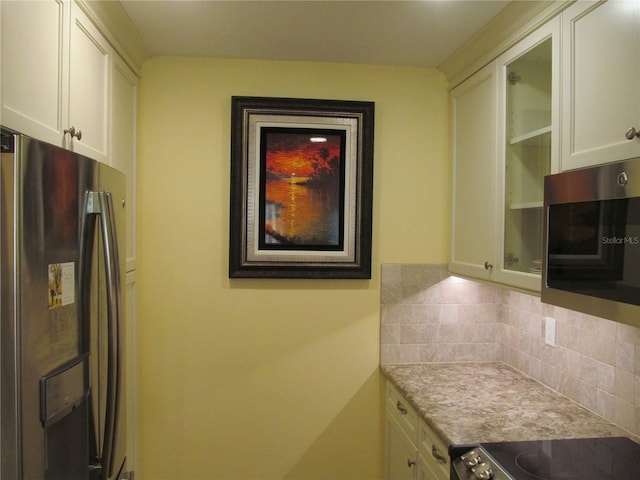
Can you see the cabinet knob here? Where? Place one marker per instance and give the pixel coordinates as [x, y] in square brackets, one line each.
[401, 408]
[410, 463]
[73, 132]
[488, 266]
[632, 133]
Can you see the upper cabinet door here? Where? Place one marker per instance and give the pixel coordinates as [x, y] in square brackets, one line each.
[34, 78]
[474, 116]
[601, 82]
[124, 97]
[528, 83]
[55, 75]
[89, 80]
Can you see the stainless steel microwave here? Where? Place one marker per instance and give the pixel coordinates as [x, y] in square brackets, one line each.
[592, 241]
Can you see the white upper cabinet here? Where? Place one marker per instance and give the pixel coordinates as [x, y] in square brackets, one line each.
[55, 75]
[34, 79]
[528, 82]
[122, 145]
[505, 140]
[90, 59]
[60, 73]
[600, 82]
[474, 128]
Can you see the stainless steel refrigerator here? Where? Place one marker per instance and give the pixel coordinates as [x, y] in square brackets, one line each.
[62, 221]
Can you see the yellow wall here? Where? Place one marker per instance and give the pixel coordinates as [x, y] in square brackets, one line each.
[269, 379]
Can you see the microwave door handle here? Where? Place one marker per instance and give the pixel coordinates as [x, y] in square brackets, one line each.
[101, 203]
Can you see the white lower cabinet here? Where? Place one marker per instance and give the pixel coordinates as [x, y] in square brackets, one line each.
[401, 437]
[413, 451]
[433, 454]
[401, 453]
[425, 472]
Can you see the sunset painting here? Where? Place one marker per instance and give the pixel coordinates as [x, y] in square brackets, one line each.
[302, 188]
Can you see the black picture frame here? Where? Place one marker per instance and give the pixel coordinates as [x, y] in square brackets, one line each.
[301, 188]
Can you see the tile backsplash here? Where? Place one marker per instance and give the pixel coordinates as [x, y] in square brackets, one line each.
[429, 316]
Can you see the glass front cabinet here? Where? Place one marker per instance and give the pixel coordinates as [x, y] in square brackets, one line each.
[505, 140]
[529, 86]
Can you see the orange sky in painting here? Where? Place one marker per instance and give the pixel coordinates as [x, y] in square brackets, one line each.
[291, 153]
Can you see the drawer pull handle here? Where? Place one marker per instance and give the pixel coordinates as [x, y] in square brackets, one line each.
[437, 455]
[401, 408]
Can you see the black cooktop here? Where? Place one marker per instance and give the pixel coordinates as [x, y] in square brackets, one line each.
[615, 458]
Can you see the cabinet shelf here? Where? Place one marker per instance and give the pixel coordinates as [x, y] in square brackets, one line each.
[530, 137]
[525, 205]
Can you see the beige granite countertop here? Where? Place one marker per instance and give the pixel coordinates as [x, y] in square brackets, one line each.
[490, 402]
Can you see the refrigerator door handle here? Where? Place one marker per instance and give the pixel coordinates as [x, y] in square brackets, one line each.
[101, 203]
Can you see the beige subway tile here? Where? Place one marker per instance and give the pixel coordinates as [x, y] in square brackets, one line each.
[599, 347]
[628, 334]
[625, 356]
[390, 334]
[431, 295]
[409, 354]
[400, 314]
[606, 377]
[625, 386]
[589, 396]
[573, 364]
[450, 293]
[605, 404]
[412, 294]
[413, 274]
[589, 372]
[569, 336]
[409, 334]
[552, 355]
[390, 274]
[430, 313]
[550, 375]
[390, 354]
[391, 294]
[449, 314]
[625, 414]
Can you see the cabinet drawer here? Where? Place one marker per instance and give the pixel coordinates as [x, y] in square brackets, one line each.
[425, 471]
[433, 450]
[403, 413]
[401, 453]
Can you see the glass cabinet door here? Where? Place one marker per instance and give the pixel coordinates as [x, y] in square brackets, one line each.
[528, 124]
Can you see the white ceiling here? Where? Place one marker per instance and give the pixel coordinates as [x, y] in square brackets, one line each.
[398, 32]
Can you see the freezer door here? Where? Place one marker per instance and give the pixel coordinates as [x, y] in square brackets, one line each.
[107, 331]
[42, 327]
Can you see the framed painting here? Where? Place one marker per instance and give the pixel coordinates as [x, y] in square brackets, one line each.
[301, 188]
